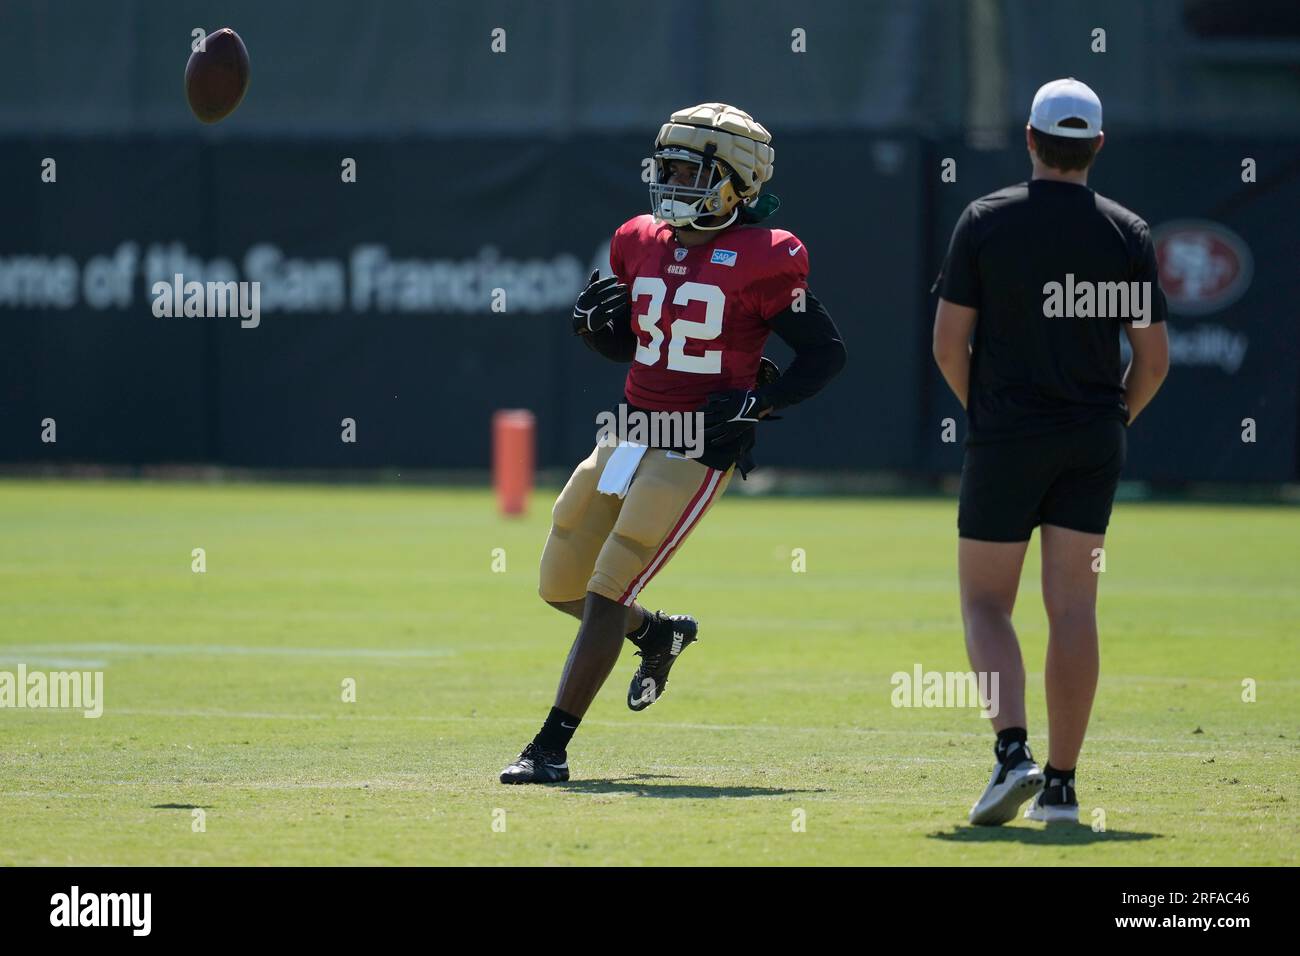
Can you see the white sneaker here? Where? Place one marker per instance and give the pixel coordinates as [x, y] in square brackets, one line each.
[1063, 808]
[1008, 788]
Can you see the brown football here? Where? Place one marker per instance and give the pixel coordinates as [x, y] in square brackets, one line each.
[216, 77]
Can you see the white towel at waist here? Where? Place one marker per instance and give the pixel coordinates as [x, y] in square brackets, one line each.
[620, 468]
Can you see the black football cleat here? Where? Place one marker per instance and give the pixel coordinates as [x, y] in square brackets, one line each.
[536, 765]
[669, 635]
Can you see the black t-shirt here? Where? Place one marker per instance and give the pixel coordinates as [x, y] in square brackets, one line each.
[1037, 366]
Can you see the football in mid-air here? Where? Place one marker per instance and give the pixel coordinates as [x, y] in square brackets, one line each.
[216, 77]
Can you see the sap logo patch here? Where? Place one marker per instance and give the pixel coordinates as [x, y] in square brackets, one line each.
[723, 257]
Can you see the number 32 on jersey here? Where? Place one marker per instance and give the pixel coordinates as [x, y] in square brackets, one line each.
[709, 363]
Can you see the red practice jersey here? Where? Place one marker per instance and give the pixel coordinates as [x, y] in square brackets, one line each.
[701, 314]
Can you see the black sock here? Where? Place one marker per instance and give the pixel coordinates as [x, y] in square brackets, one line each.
[557, 731]
[1051, 773]
[1012, 735]
[637, 633]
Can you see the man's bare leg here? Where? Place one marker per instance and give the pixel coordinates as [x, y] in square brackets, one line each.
[636, 614]
[591, 659]
[989, 573]
[1070, 598]
[593, 655]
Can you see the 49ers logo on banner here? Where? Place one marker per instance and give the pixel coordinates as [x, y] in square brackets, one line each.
[1204, 266]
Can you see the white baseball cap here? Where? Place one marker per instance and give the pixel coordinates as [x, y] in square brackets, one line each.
[1066, 99]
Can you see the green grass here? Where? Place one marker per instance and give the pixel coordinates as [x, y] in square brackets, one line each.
[223, 689]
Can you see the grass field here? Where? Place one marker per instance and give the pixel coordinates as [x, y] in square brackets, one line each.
[223, 689]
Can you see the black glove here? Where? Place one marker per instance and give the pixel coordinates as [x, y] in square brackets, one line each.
[729, 415]
[603, 302]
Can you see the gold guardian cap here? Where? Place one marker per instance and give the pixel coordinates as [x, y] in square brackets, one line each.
[735, 159]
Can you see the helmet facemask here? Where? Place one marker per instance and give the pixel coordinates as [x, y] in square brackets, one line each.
[710, 202]
[733, 156]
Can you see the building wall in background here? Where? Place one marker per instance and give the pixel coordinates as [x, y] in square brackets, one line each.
[377, 298]
[480, 170]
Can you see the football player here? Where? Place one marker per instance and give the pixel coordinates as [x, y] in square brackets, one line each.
[698, 286]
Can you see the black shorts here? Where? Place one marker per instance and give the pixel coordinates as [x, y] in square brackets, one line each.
[1066, 479]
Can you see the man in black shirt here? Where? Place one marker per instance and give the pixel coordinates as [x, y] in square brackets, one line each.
[1045, 274]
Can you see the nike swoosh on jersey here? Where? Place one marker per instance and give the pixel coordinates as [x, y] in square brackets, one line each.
[795, 249]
